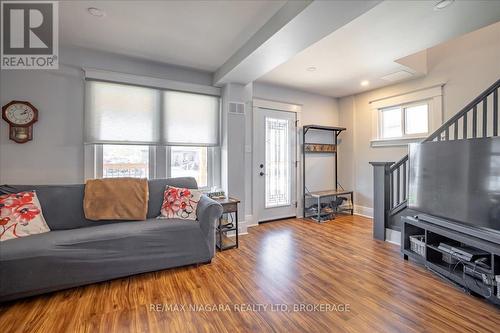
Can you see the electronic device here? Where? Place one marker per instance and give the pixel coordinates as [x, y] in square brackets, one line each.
[458, 181]
[216, 195]
[487, 279]
[465, 253]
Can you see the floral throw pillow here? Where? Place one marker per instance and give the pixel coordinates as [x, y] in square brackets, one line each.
[179, 203]
[20, 216]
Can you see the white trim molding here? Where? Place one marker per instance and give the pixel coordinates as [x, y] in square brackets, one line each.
[393, 236]
[395, 142]
[148, 81]
[408, 97]
[432, 95]
[275, 105]
[244, 225]
[363, 211]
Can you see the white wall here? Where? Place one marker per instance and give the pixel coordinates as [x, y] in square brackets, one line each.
[467, 65]
[233, 146]
[56, 153]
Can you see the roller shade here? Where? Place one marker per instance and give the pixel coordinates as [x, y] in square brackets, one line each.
[117, 113]
[191, 119]
[125, 114]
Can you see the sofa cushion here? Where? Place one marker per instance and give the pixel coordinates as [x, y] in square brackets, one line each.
[98, 253]
[99, 237]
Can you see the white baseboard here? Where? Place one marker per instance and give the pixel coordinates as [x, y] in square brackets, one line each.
[363, 211]
[393, 236]
[244, 225]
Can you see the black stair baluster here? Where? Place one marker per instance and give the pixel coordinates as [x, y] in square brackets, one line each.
[485, 118]
[447, 134]
[455, 130]
[495, 112]
[474, 122]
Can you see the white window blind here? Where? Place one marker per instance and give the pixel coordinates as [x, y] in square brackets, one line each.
[117, 113]
[126, 114]
[191, 119]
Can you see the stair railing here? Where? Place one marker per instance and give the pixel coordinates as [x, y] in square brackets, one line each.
[478, 119]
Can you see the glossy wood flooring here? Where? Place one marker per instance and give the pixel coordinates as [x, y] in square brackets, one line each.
[278, 264]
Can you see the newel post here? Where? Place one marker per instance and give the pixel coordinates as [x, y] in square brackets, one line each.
[381, 197]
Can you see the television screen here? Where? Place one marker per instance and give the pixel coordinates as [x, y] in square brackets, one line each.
[457, 180]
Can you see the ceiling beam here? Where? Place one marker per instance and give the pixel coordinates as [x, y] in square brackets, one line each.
[296, 26]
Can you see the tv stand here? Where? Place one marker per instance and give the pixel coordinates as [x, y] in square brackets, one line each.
[479, 276]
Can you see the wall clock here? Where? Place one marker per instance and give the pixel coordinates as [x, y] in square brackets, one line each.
[20, 116]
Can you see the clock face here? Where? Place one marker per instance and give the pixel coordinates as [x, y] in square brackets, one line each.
[20, 114]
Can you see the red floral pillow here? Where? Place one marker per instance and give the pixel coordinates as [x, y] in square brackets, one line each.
[179, 203]
[20, 216]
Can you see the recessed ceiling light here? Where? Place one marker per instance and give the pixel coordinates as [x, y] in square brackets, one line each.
[364, 83]
[96, 12]
[311, 69]
[443, 4]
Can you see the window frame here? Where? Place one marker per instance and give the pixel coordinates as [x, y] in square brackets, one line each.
[402, 109]
[433, 94]
[159, 163]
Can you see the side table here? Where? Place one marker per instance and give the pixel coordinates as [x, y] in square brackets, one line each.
[227, 224]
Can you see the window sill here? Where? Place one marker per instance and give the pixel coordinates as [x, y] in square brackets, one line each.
[397, 142]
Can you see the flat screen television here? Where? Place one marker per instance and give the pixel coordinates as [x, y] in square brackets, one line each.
[458, 181]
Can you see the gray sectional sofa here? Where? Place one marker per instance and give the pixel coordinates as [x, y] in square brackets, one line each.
[78, 251]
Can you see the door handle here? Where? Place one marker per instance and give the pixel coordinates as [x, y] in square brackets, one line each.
[261, 173]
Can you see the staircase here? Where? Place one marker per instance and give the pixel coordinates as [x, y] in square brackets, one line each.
[478, 119]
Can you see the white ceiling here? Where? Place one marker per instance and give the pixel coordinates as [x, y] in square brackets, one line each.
[197, 34]
[367, 47]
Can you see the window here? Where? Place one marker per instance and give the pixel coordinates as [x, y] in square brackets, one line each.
[278, 185]
[405, 118]
[151, 133]
[391, 123]
[190, 162]
[404, 121]
[125, 161]
[417, 119]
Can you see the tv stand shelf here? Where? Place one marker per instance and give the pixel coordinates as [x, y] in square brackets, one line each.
[480, 278]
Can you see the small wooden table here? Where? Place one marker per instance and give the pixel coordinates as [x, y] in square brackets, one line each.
[229, 206]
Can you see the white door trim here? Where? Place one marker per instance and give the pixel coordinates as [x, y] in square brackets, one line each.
[259, 104]
[275, 105]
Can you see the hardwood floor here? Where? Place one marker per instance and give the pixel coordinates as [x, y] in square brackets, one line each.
[281, 264]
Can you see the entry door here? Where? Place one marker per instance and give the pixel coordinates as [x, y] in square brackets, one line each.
[274, 164]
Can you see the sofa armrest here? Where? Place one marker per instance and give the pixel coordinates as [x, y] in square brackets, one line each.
[208, 212]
